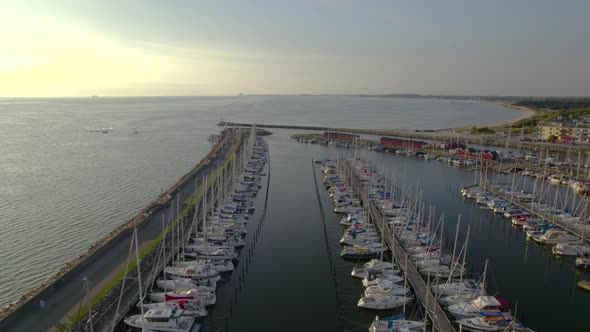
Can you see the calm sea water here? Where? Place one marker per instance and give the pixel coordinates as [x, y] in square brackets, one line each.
[64, 187]
[284, 277]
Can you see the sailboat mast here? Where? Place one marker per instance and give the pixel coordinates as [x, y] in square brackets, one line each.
[138, 269]
[483, 286]
[465, 253]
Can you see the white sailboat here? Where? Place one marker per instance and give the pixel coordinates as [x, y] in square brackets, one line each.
[481, 305]
[167, 320]
[395, 324]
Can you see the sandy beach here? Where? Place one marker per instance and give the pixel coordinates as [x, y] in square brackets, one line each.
[525, 113]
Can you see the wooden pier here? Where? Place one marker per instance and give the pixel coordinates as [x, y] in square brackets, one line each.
[435, 313]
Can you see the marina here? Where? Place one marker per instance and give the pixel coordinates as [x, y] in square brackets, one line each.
[264, 247]
[294, 166]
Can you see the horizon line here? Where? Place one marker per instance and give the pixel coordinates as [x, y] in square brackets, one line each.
[399, 95]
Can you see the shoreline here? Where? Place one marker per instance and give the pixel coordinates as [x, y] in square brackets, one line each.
[525, 113]
[138, 218]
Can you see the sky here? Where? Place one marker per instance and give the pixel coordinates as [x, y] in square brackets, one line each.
[193, 47]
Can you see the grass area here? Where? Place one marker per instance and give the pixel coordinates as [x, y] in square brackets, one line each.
[308, 136]
[482, 130]
[530, 124]
[574, 113]
[132, 265]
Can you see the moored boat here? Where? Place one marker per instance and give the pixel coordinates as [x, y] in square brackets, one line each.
[168, 320]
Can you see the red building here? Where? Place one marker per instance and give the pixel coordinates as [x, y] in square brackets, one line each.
[334, 136]
[567, 139]
[477, 154]
[406, 143]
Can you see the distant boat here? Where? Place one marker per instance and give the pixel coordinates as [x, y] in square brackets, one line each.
[94, 96]
[135, 130]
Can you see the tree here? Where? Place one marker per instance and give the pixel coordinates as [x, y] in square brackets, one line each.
[552, 138]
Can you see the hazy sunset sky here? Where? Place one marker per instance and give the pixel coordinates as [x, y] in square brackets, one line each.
[122, 48]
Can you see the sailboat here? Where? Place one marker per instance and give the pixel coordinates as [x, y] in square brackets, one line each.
[481, 305]
[189, 308]
[382, 298]
[394, 324]
[169, 320]
[373, 264]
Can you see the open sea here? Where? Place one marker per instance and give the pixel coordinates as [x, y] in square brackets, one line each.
[64, 185]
